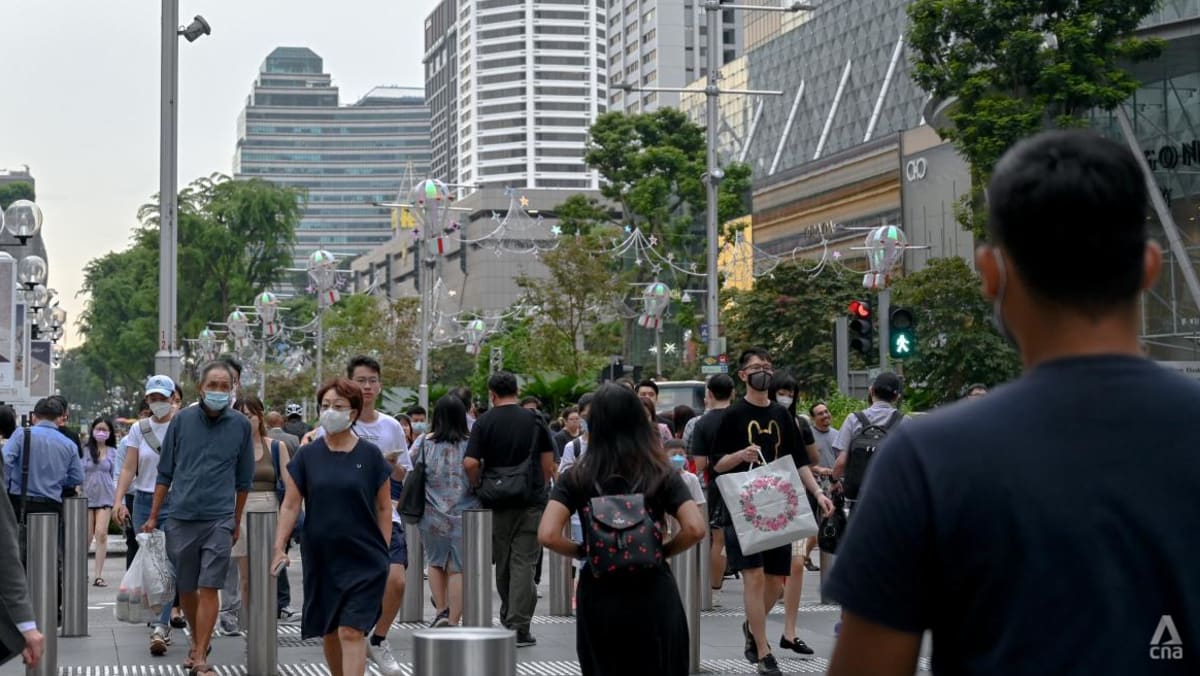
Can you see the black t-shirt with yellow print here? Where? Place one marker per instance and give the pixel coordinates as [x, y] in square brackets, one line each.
[770, 427]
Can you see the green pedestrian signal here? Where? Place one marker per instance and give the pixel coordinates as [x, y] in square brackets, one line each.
[902, 335]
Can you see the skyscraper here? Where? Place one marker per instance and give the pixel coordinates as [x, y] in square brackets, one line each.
[294, 132]
[662, 43]
[530, 81]
[441, 88]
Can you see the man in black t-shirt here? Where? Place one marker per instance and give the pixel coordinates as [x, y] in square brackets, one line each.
[752, 428]
[504, 437]
[699, 435]
[1068, 567]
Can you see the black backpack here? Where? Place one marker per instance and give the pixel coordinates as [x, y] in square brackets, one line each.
[862, 449]
[622, 538]
[833, 526]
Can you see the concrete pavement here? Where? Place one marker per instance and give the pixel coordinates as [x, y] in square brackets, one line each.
[118, 649]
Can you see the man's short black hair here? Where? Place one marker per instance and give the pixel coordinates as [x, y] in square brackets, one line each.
[48, 409]
[721, 386]
[584, 402]
[363, 360]
[415, 410]
[62, 401]
[648, 383]
[503, 384]
[751, 353]
[464, 395]
[8, 421]
[1072, 192]
[532, 400]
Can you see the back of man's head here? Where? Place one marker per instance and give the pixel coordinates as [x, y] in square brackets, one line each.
[48, 409]
[1068, 208]
[274, 419]
[503, 384]
[721, 387]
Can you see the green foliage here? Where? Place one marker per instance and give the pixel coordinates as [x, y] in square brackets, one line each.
[957, 344]
[1011, 81]
[577, 295]
[235, 239]
[791, 313]
[395, 400]
[840, 406]
[556, 391]
[79, 385]
[11, 192]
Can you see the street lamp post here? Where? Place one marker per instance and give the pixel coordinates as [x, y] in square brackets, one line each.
[169, 359]
[713, 172]
[322, 269]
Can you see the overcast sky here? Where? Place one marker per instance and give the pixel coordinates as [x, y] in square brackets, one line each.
[80, 85]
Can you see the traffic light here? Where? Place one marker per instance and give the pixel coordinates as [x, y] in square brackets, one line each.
[902, 334]
[861, 339]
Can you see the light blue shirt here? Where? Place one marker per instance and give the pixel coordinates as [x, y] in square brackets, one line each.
[53, 464]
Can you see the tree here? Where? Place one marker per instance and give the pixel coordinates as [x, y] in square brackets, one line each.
[79, 385]
[235, 240]
[653, 166]
[1019, 66]
[576, 296]
[957, 344]
[17, 190]
[790, 313]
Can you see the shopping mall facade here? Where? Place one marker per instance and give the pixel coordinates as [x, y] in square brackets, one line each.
[847, 146]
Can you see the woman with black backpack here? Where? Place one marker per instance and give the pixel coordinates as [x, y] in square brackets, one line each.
[622, 480]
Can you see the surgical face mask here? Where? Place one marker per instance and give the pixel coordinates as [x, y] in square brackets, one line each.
[160, 409]
[998, 301]
[785, 402]
[583, 428]
[335, 421]
[420, 427]
[759, 380]
[100, 435]
[216, 401]
[678, 462]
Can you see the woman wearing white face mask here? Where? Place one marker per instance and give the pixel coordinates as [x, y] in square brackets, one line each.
[343, 482]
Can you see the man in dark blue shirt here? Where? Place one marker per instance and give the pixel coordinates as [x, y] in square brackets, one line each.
[1069, 548]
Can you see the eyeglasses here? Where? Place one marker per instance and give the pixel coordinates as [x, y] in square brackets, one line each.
[366, 381]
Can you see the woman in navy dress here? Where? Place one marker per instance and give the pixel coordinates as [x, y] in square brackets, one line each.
[343, 482]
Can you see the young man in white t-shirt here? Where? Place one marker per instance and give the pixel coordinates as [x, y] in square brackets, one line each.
[385, 432]
[139, 471]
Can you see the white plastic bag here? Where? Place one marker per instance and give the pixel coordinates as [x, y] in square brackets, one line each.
[131, 606]
[157, 576]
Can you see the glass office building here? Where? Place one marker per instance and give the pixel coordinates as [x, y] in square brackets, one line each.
[294, 132]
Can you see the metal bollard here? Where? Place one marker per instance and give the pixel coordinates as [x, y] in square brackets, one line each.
[477, 569]
[686, 567]
[75, 561]
[706, 591]
[413, 607]
[42, 571]
[561, 586]
[464, 650]
[826, 562]
[261, 608]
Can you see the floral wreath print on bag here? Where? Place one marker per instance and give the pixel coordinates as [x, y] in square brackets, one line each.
[755, 489]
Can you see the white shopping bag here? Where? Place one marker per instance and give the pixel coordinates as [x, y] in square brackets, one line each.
[767, 505]
[158, 577]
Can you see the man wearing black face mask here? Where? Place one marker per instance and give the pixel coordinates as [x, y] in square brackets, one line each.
[754, 429]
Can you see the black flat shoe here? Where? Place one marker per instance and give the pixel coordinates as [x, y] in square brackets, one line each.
[750, 649]
[795, 645]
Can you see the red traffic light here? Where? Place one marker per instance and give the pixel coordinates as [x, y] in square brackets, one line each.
[860, 308]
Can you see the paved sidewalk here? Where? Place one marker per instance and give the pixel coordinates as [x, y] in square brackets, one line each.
[117, 649]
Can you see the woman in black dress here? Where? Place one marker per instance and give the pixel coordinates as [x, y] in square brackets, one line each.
[613, 636]
[344, 482]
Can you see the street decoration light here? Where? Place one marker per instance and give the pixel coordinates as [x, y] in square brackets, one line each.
[266, 304]
[23, 220]
[31, 271]
[322, 270]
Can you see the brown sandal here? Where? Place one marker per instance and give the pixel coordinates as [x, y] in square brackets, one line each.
[99, 582]
[198, 669]
[190, 665]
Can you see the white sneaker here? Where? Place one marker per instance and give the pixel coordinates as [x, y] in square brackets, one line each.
[716, 599]
[382, 656]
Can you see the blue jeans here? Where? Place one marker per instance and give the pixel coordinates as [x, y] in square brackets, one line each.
[142, 502]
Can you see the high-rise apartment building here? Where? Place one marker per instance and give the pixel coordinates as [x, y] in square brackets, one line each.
[294, 132]
[441, 88]
[662, 43]
[530, 80]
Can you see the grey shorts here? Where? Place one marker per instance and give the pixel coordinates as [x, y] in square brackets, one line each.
[199, 551]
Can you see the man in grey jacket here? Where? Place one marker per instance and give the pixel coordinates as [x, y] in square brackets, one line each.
[19, 634]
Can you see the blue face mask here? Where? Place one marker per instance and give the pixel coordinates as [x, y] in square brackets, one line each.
[420, 427]
[216, 401]
[678, 461]
[583, 426]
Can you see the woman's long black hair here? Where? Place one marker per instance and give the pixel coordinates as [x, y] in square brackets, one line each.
[622, 442]
[111, 441]
[449, 420]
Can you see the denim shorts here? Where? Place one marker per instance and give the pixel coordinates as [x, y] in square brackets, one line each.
[398, 548]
